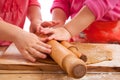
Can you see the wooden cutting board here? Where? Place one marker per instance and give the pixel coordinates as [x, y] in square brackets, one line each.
[13, 60]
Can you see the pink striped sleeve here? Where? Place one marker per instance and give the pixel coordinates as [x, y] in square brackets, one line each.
[100, 7]
[62, 4]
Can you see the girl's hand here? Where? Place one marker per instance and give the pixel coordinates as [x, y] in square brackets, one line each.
[31, 46]
[35, 26]
[49, 24]
[56, 33]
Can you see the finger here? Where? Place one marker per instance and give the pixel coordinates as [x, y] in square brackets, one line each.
[51, 37]
[36, 53]
[55, 37]
[44, 29]
[44, 49]
[44, 44]
[49, 23]
[38, 29]
[54, 23]
[47, 30]
[28, 56]
[43, 39]
[46, 24]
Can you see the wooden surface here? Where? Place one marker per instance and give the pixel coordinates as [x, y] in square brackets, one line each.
[2, 49]
[12, 59]
[14, 67]
[31, 75]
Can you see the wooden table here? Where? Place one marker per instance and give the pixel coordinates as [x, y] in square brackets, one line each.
[94, 73]
[31, 75]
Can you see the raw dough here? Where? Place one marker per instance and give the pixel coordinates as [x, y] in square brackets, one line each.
[95, 52]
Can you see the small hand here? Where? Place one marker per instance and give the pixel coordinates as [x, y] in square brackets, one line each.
[49, 24]
[56, 33]
[35, 26]
[31, 46]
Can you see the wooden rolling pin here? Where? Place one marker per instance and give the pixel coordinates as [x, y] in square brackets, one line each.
[70, 47]
[67, 60]
[74, 50]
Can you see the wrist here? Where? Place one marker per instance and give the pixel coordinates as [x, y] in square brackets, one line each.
[19, 32]
[9, 31]
[35, 25]
[36, 21]
[68, 32]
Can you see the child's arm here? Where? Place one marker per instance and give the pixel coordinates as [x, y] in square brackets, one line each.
[58, 15]
[27, 43]
[35, 18]
[58, 19]
[8, 31]
[80, 22]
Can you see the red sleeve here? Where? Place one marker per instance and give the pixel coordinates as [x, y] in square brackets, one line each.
[34, 2]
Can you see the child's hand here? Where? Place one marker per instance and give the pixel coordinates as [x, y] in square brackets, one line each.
[35, 27]
[31, 46]
[49, 24]
[56, 33]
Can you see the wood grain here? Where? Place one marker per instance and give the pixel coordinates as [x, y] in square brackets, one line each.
[31, 75]
[13, 60]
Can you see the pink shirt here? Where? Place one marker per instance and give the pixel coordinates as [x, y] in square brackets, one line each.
[15, 12]
[104, 10]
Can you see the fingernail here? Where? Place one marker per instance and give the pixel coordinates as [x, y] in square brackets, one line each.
[33, 60]
[44, 56]
[49, 46]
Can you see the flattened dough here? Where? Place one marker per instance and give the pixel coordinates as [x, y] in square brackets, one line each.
[95, 52]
